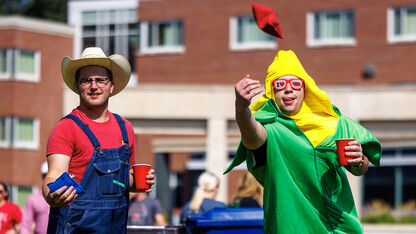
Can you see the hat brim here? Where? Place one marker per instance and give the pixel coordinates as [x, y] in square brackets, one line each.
[117, 64]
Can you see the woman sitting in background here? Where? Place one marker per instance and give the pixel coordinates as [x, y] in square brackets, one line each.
[249, 193]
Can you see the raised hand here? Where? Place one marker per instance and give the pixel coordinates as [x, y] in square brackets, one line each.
[245, 90]
[253, 134]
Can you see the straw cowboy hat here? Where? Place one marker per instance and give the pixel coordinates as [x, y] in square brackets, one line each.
[94, 56]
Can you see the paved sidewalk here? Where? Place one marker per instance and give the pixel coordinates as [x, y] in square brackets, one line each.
[389, 229]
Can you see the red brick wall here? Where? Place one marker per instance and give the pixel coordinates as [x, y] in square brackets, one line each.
[208, 60]
[145, 154]
[41, 100]
[178, 162]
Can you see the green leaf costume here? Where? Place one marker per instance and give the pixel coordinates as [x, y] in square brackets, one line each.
[305, 188]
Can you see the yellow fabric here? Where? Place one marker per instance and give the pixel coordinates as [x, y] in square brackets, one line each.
[316, 118]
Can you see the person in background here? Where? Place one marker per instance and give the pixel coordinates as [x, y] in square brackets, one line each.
[144, 210]
[36, 211]
[249, 192]
[10, 213]
[204, 196]
[95, 147]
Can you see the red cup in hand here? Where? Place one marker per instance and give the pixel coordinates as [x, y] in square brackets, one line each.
[140, 171]
[341, 144]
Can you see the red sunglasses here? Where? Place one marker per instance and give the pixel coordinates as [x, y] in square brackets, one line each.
[280, 84]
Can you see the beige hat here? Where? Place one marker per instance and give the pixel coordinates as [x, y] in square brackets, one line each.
[117, 64]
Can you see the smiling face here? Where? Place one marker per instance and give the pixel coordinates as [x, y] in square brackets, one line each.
[93, 94]
[289, 100]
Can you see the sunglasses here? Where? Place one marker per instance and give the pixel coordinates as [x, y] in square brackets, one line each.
[280, 84]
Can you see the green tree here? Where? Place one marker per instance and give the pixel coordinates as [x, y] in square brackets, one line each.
[12, 7]
[55, 10]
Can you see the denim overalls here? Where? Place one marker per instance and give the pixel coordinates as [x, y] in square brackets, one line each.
[103, 206]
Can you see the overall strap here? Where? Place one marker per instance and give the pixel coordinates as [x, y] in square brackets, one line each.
[84, 127]
[122, 125]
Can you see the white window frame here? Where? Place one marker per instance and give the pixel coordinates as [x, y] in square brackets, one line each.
[310, 30]
[391, 37]
[103, 21]
[34, 144]
[8, 73]
[76, 9]
[24, 76]
[144, 41]
[12, 56]
[5, 143]
[237, 46]
[16, 192]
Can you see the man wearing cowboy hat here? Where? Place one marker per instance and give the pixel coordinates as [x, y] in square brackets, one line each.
[95, 147]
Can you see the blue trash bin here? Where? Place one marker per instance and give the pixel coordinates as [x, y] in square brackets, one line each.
[227, 220]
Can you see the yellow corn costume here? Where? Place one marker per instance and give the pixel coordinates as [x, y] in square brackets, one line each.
[305, 188]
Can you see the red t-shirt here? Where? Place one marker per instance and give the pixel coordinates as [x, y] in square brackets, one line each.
[10, 214]
[67, 138]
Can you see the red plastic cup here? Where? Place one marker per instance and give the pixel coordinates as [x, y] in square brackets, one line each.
[342, 158]
[140, 172]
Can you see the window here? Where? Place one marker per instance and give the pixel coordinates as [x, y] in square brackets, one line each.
[115, 31]
[396, 178]
[330, 28]
[5, 132]
[19, 132]
[245, 35]
[19, 194]
[161, 37]
[26, 65]
[5, 64]
[19, 64]
[401, 24]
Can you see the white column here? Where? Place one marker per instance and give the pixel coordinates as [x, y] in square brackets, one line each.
[217, 155]
[357, 191]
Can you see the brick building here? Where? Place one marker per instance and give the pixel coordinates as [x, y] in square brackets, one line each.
[31, 88]
[191, 52]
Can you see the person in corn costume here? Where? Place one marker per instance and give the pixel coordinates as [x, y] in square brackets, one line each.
[288, 143]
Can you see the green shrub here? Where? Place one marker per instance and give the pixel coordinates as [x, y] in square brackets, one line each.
[388, 218]
[382, 218]
[408, 219]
